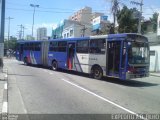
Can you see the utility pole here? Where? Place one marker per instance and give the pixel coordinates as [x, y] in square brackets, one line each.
[9, 18]
[21, 30]
[83, 30]
[34, 8]
[140, 15]
[2, 23]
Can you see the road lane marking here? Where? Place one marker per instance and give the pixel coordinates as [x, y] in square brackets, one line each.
[5, 86]
[102, 98]
[4, 107]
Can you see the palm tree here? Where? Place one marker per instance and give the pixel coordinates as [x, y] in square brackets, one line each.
[114, 9]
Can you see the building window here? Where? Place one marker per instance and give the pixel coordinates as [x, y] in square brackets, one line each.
[64, 35]
[152, 53]
[67, 35]
[71, 32]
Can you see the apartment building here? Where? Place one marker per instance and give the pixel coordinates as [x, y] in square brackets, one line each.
[42, 33]
[84, 15]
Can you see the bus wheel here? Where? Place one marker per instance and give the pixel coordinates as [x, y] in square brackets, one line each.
[97, 72]
[54, 65]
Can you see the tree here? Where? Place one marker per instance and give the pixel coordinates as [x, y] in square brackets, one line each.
[11, 44]
[127, 21]
[144, 28]
[154, 21]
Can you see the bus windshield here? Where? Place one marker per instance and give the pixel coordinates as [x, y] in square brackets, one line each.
[138, 53]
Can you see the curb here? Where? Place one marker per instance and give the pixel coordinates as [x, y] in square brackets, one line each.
[5, 97]
[155, 75]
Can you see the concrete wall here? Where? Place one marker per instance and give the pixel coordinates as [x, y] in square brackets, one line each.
[155, 58]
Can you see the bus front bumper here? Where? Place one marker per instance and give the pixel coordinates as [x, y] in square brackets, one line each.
[133, 75]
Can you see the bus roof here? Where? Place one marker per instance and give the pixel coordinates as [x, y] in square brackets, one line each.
[109, 36]
[25, 41]
[122, 35]
[69, 39]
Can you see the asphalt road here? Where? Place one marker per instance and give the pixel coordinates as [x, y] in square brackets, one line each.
[37, 90]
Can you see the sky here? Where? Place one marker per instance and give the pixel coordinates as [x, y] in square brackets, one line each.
[52, 12]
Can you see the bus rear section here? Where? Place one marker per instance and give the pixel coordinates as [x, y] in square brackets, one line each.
[19, 51]
[30, 52]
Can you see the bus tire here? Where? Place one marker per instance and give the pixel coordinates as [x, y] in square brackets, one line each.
[54, 65]
[97, 72]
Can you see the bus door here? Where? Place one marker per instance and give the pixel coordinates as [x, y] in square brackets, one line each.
[123, 62]
[113, 58]
[21, 47]
[71, 47]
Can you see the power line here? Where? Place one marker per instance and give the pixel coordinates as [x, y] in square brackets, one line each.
[20, 32]
[63, 9]
[42, 11]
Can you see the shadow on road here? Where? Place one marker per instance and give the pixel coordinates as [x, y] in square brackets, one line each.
[129, 83]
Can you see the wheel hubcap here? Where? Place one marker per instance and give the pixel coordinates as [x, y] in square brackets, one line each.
[96, 73]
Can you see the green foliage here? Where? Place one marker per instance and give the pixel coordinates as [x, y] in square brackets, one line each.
[144, 28]
[154, 21]
[127, 21]
[11, 44]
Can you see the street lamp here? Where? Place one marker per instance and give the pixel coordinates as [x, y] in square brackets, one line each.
[34, 7]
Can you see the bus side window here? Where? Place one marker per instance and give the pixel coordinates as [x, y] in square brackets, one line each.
[97, 46]
[37, 46]
[30, 46]
[25, 46]
[51, 46]
[33, 46]
[82, 46]
[62, 45]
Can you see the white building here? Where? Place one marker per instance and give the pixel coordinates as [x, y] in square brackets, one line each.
[158, 25]
[155, 50]
[42, 33]
[77, 30]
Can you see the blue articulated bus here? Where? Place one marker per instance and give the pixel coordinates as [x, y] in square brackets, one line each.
[123, 56]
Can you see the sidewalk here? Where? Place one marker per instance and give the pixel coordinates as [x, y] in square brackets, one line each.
[157, 74]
